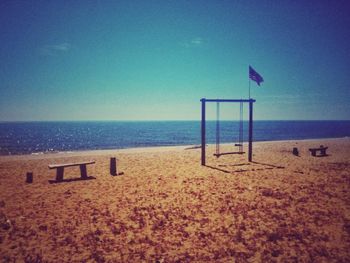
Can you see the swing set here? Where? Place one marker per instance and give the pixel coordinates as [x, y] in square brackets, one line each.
[239, 144]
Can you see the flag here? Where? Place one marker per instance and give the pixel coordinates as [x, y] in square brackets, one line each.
[253, 75]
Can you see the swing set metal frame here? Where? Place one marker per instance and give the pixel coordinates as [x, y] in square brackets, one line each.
[250, 129]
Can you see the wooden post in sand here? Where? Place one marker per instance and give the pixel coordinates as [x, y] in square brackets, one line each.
[113, 166]
[29, 178]
[295, 151]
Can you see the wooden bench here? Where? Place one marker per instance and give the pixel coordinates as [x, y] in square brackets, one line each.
[60, 169]
[322, 151]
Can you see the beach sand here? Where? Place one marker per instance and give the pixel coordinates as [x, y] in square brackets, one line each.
[166, 207]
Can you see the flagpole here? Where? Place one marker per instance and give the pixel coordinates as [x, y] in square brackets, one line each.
[249, 87]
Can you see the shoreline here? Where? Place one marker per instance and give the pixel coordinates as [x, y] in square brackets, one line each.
[150, 149]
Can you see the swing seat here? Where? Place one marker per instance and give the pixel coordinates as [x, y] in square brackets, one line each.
[238, 144]
[227, 153]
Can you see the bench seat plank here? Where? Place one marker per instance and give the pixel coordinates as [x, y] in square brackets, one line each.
[318, 149]
[55, 166]
[322, 151]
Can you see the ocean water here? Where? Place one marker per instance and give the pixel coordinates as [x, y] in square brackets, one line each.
[44, 137]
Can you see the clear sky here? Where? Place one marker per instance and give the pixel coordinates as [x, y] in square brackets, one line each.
[154, 60]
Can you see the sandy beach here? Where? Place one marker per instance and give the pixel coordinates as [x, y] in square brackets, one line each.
[166, 207]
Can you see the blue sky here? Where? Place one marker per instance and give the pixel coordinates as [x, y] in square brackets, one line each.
[154, 60]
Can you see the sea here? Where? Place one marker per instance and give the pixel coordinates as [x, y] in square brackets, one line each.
[53, 137]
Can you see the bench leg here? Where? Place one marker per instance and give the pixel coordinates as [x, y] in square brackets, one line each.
[83, 171]
[59, 174]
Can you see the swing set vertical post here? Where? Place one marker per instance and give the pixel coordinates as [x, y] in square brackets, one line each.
[203, 131]
[250, 139]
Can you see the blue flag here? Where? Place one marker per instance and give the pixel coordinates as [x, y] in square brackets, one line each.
[253, 75]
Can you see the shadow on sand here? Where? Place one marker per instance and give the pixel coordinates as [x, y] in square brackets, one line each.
[218, 169]
[267, 167]
[72, 180]
[270, 165]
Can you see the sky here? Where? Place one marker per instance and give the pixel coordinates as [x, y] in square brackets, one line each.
[155, 60]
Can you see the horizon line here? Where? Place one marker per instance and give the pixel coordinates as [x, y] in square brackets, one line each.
[155, 120]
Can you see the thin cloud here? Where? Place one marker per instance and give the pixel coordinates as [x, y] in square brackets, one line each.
[55, 49]
[61, 47]
[194, 42]
[282, 97]
[197, 41]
